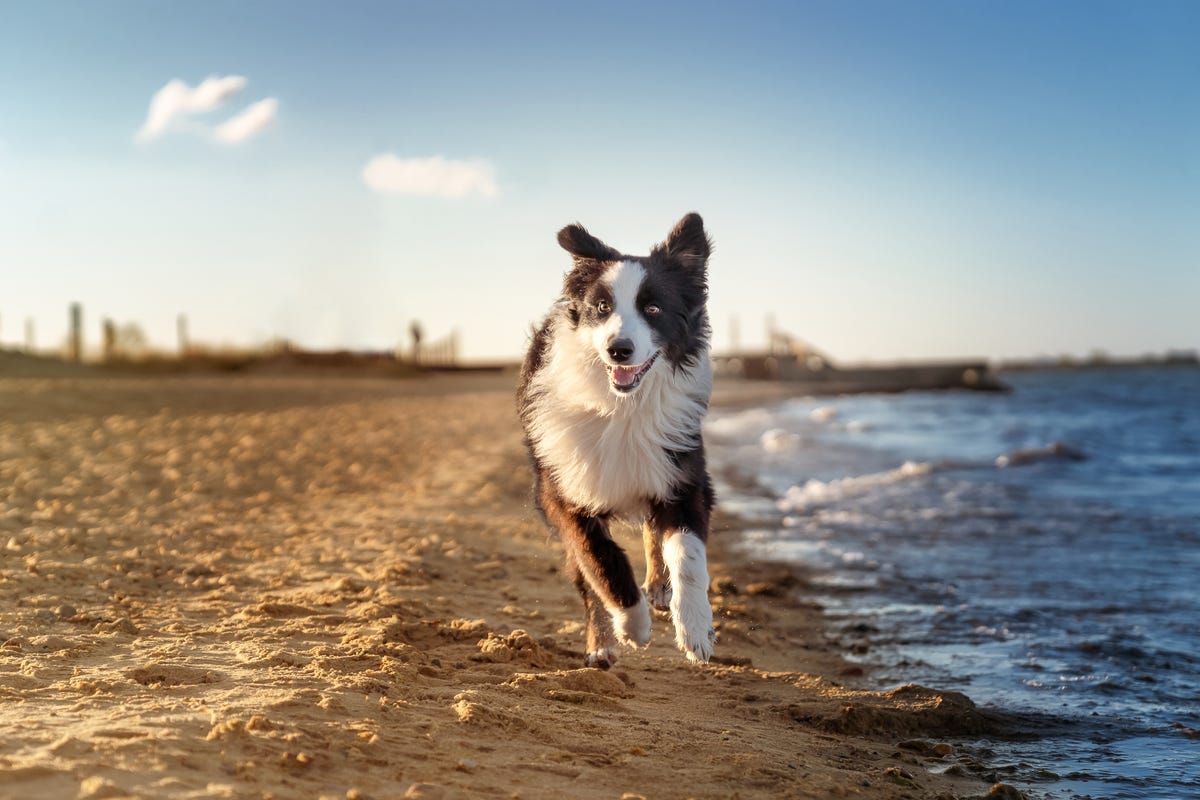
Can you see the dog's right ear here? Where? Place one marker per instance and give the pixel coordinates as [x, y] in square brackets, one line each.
[583, 246]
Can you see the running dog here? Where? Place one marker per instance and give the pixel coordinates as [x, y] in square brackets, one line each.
[611, 395]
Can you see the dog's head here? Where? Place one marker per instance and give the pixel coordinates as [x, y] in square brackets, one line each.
[638, 311]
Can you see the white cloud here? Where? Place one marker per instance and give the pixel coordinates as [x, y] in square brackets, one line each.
[435, 176]
[249, 122]
[177, 99]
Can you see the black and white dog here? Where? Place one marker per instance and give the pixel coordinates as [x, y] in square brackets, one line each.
[612, 392]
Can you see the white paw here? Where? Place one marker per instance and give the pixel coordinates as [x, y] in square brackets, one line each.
[603, 658]
[632, 625]
[690, 610]
[698, 642]
[694, 625]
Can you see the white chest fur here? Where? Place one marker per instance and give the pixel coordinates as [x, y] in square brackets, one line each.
[608, 452]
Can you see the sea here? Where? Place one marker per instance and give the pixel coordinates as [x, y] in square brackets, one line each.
[1037, 550]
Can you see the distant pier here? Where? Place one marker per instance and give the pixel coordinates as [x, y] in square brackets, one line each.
[790, 360]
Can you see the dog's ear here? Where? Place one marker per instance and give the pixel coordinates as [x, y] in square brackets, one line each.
[583, 246]
[687, 244]
[591, 257]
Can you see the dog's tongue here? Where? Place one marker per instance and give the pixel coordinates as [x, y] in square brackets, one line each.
[624, 376]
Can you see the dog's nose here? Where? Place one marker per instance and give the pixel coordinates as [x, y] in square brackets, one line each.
[620, 350]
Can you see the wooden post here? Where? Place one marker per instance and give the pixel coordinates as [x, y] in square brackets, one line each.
[76, 341]
[29, 345]
[110, 339]
[416, 333]
[181, 330]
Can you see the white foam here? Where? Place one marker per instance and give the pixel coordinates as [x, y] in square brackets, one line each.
[823, 414]
[738, 425]
[777, 440]
[817, 493]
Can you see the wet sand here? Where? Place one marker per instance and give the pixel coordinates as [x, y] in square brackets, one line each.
[282, 586]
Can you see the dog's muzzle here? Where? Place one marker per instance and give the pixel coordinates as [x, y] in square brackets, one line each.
[626, 379]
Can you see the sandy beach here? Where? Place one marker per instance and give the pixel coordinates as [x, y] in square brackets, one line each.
[289, 586]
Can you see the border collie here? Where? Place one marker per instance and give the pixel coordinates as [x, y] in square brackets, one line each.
[611, 395]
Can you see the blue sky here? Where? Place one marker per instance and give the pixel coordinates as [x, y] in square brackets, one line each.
[887, 179]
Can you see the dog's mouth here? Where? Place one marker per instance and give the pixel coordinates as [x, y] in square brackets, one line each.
[626, 379]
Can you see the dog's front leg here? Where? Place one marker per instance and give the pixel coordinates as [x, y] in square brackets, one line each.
[604, 567]
[687, 562]
[610, 576]
[683, 527]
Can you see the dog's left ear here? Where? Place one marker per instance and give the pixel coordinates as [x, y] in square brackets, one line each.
[687, 244]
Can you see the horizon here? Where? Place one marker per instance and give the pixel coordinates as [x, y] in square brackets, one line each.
[185, 349]
[885, 181]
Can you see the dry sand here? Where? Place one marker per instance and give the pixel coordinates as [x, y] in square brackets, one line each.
[280, 586]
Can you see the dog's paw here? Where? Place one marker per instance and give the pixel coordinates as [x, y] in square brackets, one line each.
[658, 594]
[700, 648]
[694, 625]
[603, 658]
[632, 625]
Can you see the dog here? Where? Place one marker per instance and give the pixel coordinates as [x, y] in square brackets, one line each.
[611, 396]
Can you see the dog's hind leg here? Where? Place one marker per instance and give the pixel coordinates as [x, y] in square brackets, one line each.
[658, 581]
[601, 642]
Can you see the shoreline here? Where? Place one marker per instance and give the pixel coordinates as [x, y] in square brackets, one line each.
[255, 586]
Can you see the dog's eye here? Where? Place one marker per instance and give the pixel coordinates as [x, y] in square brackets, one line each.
[603, 307]
[653, 309]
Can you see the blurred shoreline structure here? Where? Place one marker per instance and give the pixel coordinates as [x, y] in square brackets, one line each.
[791, 360]
[1101, 360]
[124, 347]
[787, 360]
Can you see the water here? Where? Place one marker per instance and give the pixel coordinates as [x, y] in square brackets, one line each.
[1038, 551]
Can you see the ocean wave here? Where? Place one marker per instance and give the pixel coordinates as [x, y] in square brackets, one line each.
[739, 425]
[818, 493]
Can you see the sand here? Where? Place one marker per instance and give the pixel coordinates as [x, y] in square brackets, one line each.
[288, 586]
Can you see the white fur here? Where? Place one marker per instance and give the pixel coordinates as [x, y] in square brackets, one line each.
[687, 563]
[631, 625]
[607, 451]
[624, 279]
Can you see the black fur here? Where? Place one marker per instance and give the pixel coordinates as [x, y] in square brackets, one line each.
[578, 242]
